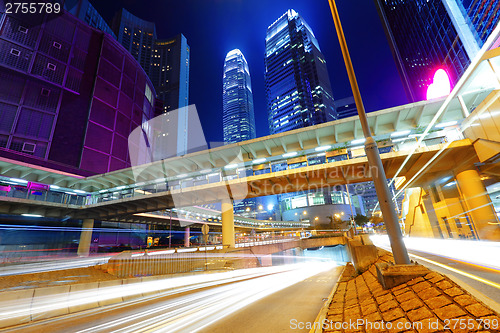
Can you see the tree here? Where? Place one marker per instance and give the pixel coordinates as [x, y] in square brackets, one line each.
[335, 221]
[361, 220]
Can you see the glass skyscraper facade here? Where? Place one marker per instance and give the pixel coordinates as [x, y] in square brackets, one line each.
[237, 99]
[166, 61]
[137, 36]
[84, 10]
[425, 35]
[170, 71]
[297, 83]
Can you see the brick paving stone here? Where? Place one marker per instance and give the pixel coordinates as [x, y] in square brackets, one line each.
[454, 291]
[368, 309]
[406, 296]
[464, 300]
[373, 317]
[443, 285]
[421, 286]
[411, 304]
[449, 312]
[335, 311]
[384, 298]
[351, 313]
[401, 286]
[419, 314]
[471, 323]
[403, 323]
[388, 305]
[367, 297]
[351, 302]
[335, 318]
[428, 293]
[436, 279]
[415, 281]
[393, 314]
[379, 291]
[431, 275]
[437, 302]
[478, 310]
[429, 325]
[400, 291]
[492, 321]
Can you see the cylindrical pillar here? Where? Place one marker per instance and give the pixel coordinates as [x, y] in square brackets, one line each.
[85, 237]
[186, 237]
[478, 203]
[228, 224]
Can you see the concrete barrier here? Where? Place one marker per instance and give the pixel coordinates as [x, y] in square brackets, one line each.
[18, 303]
[83, 296]
[362, 256]
[50, 302]
[130, 293]
[108, 291]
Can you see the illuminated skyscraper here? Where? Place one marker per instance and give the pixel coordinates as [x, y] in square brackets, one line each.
[237, 99]
[425, 35]
[166, 61]
[170, 71]
[297, 83]
[137, 36]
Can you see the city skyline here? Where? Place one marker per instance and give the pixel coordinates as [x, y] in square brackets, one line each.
[248, 24]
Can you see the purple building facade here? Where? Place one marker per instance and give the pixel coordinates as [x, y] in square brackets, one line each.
[69, 94]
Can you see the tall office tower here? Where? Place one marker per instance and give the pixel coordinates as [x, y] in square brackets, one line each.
[484, 16]
[137, 36]
[425, 35]
[70, 94]
[346, 107]
[170, 72]
[237, 99]
[297, 83]
[84, 10]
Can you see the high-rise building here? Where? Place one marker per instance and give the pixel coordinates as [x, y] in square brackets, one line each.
[170, 72]
[137, 36]
[84, 10]
[297, 83]
[425, 35]
[70, 94]
[166, 61]
[346, 107]
[484, 16]
[237, 99]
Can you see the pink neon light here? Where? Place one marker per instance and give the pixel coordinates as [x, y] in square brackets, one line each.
[440, 85]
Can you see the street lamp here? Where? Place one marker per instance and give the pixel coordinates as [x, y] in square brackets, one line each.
[374, 162]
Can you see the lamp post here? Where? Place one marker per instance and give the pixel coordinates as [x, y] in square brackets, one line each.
[374, 162]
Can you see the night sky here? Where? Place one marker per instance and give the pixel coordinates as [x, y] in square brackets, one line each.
[214, 27]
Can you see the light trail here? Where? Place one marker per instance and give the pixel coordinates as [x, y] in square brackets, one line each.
[10, 309]
[381, 242]
[196, 311]
[482, 253]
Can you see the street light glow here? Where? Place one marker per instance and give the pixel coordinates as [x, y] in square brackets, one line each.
[294, 153]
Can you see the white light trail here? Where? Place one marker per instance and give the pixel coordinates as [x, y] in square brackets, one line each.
[481, 253]
[196, 311]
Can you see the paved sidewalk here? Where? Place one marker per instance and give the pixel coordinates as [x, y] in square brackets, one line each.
[432, 303]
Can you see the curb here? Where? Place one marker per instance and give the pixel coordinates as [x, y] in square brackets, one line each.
[318, 322]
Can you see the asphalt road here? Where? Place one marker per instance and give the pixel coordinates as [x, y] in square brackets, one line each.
[263, 301]
[283, 311]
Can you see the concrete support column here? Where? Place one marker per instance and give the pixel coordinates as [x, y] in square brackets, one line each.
[85, 237]
[228, 224]
[186, 236]
[478, 204]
